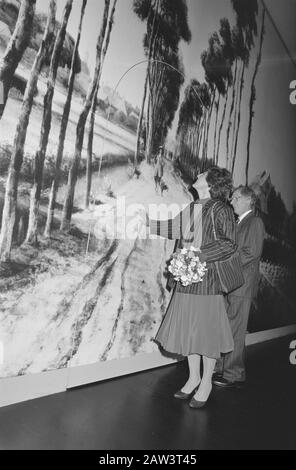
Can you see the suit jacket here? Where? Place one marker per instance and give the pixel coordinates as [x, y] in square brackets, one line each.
[250, 237]
[212, 250]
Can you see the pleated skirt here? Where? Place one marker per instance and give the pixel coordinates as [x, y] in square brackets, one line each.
[195, 324]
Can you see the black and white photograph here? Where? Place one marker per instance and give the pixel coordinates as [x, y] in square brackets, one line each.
[147, 227]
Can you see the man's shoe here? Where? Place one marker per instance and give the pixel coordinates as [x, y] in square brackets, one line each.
[217, 375]
[239, 383]
[221, 382]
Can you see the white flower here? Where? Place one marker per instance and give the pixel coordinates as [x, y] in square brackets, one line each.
[186, 267]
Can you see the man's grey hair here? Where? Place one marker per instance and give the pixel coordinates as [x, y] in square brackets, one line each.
[248, 193]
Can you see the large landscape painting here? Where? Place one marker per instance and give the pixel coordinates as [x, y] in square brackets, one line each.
[89, 92]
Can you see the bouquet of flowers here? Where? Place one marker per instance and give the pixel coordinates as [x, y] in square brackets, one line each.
[186, 266]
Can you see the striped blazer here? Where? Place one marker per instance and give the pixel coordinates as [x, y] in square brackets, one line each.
[213, 250]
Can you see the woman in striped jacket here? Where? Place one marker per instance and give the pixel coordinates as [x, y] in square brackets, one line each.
[196, 323]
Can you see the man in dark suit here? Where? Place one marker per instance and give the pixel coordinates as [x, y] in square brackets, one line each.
[230, 371]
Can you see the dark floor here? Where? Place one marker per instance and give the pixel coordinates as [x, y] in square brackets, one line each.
[139, 412]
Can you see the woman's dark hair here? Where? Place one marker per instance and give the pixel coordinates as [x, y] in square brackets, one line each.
[220, 183]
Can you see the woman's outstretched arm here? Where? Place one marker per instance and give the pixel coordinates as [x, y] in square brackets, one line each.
[173, 228]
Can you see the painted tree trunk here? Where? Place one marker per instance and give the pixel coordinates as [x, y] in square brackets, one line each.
[10, 202]
[239, 78]
[16, 47]
[195, 155]
[154, 76]
[141, 117]
[93, 112]
[236, 109]
[230, 121]
[204, 137]
[140, 121]
[147, 156]
[150, 121]
[253, 94]
[221, 126]
[154, 110]
[63, 130]
[238, 119]
[217, 105]
[150, 115]
[206, 134]
[73, 172]
[90, 150]
[200, 136]
[32, 233]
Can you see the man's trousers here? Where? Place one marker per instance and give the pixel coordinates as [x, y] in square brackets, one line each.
[233, 364]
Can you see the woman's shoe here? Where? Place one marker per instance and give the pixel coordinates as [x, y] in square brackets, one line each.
[184, 396]
[197, 403]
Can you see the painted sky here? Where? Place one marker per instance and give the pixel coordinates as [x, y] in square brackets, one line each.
[274, 138]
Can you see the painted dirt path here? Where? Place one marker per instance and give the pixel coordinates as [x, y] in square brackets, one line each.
[83, 309]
